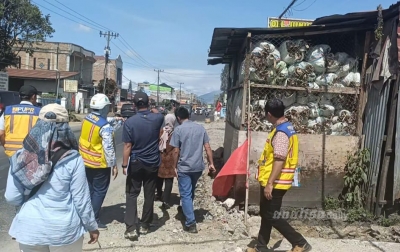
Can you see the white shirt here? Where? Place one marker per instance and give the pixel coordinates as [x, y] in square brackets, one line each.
[2, 127]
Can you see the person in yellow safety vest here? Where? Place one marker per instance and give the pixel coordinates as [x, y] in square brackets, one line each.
[17, 120]
[276, 169]
[97, 148]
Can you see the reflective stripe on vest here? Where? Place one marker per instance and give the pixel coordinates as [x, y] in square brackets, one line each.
[91, 143]
[18, 121]
[285, 179]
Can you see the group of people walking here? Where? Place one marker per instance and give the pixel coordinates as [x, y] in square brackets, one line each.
[59, 184]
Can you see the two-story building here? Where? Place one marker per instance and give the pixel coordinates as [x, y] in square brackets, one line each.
[114, 70]
[50, 62]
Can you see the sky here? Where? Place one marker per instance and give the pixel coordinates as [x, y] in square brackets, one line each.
[174, 35]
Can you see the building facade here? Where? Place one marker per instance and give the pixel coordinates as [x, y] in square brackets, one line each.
[165, 92]
[114, 70]
[50, 62]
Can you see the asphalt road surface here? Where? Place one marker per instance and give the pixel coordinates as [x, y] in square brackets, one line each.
[7, 212]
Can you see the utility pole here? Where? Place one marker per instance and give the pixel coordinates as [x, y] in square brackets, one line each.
[130, 89]
[107, 52]
[287, 8]
[158, 84]
[57, 72]
[180, 90]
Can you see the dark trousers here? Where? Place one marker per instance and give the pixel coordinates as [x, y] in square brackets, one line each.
[166, 195]
[138, 175]
[268, 220]
[99, 181]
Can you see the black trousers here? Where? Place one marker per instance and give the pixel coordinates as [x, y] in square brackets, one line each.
[166, 195]
[138, 175]
[268, 220]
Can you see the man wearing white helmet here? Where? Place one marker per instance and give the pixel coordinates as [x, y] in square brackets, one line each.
[96, 146]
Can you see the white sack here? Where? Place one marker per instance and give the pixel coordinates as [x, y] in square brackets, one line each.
[302, 98]
[313, 85]
[326, 79]
[316, 56]
[298, 70]
[290, 45]
[346, 67]
[263, 46]
[326, 110]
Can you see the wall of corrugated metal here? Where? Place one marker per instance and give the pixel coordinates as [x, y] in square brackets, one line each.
[374, 128]
[396, 172]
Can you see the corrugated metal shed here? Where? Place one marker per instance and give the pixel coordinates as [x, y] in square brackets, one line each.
[396, 172]
[227, 42]
[374, 127]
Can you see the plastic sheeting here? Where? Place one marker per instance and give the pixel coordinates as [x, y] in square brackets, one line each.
[235, 165]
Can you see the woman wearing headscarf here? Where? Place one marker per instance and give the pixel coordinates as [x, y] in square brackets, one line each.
[166, 172]
[47, 179]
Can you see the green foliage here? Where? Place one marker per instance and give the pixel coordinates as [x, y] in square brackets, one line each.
[352, 197]
[379, 26]
[355, 179]
[332, 203]
[21, 25]
[109, 89]
[359, 214]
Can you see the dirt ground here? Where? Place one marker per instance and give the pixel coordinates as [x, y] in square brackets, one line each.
[220, 230]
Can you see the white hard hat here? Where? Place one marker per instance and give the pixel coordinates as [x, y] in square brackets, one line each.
[99, 101]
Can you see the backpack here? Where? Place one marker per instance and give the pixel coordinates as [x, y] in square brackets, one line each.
[56, 157]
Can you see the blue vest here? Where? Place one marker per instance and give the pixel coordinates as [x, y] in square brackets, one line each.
[286, 128]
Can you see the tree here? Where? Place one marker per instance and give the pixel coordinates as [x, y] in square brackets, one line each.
[21, 25]
[110, 88]
[224, 78]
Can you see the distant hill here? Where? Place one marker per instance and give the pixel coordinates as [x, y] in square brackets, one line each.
[209, 97]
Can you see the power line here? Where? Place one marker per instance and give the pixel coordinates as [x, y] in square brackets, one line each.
[307, 6]
[138, 55]
[100, 25]
[108, 35]
[63, 15]
[295, 5]
[139, 59]
[287, 8]
[91, 23]
[130, 56]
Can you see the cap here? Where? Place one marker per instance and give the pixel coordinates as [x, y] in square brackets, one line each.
[28, 90]
[141, 97]
[54, 112]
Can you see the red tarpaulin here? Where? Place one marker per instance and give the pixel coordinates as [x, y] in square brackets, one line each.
[236, 165]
